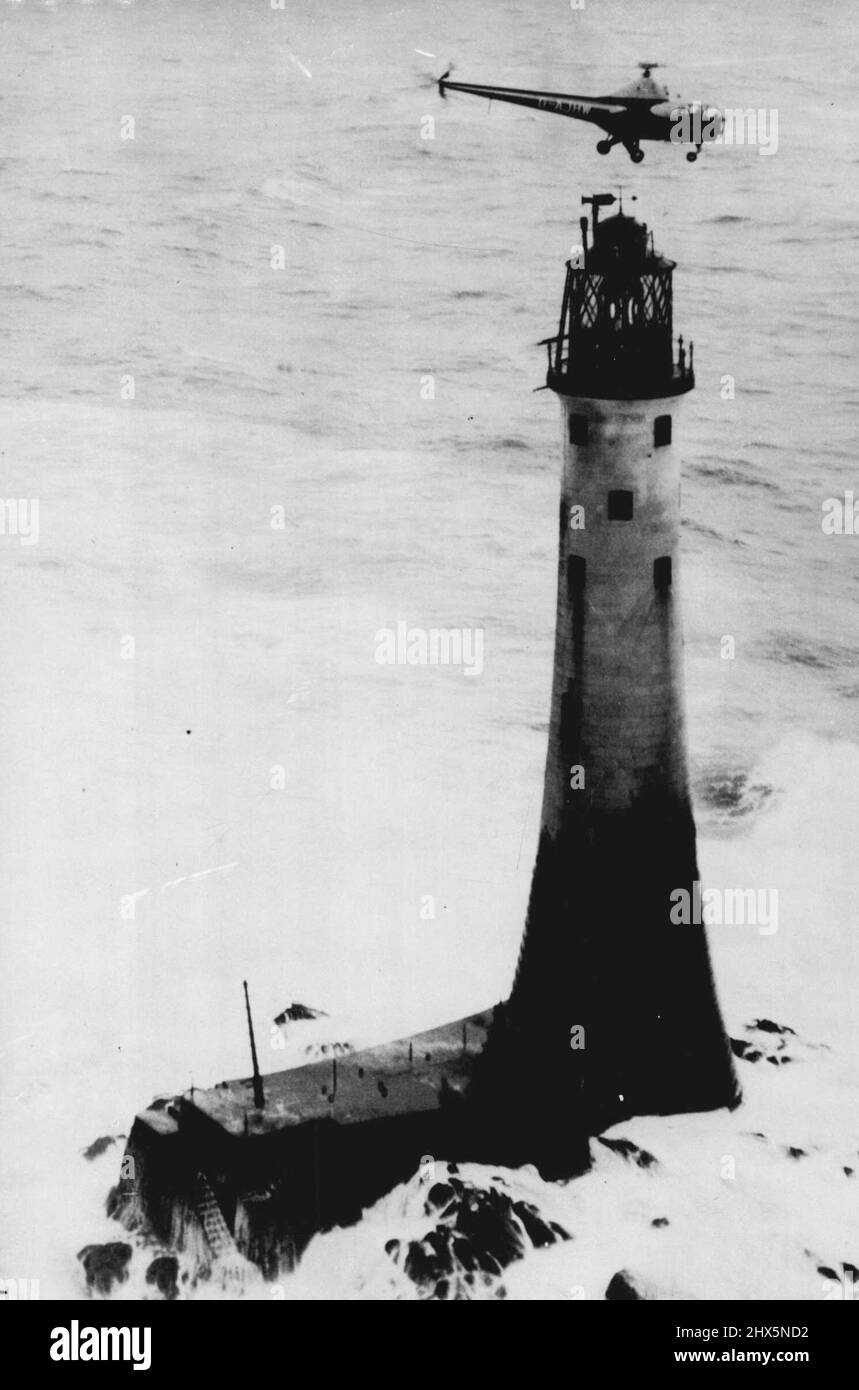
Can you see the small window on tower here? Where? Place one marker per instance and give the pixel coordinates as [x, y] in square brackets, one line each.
[575, 575]
[578, 429]
[662, 572]
[662, 430]
[620, 506]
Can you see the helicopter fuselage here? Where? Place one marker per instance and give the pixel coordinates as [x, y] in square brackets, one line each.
[642, 111]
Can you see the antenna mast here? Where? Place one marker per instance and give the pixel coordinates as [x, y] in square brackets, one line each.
[259, 1094]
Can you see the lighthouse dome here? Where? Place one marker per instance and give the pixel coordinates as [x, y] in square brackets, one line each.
[621, 236]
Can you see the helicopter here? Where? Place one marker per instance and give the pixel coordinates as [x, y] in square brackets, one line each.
[641, 111]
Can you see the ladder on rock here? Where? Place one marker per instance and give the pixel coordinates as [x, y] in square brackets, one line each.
[231, 1263]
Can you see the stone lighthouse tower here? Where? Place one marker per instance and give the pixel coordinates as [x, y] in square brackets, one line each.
[613, 1011]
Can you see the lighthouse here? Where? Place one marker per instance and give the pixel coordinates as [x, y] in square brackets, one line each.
[613, 1011]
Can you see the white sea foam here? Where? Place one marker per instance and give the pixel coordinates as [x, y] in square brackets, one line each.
[258, 388]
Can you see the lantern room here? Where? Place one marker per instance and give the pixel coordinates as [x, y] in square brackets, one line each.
[615, 338]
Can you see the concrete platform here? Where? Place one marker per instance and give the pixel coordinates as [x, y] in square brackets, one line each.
[409, 1076]
[332, 1137]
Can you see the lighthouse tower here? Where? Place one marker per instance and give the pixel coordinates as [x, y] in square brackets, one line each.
[613, 1011]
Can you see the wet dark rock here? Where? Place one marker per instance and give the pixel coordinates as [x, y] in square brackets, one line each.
[296, 1012]
[105, 1265]
[539, 1232]
[439, 1195]
[99, 1146]
[164, 1274]
[426, 1259]
[660, 1221]
[116, 1203]
[477, 1233]
[629, 1151]
[849, 1172]
[623, 1286]
[771, 1042]
[796, 1153]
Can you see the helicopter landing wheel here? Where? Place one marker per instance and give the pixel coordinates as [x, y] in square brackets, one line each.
[692, 156]
[603, 146]
[636, 156]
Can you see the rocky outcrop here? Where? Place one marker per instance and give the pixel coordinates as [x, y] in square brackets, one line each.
[105, 1265]
[624, 1287]
[163, 1272]
[631, 1152]
[100, 1146]
[297, 1012]
[774, 1043]
[477, 1233]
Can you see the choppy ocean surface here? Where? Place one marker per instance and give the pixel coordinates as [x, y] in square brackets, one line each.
[148, 772]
